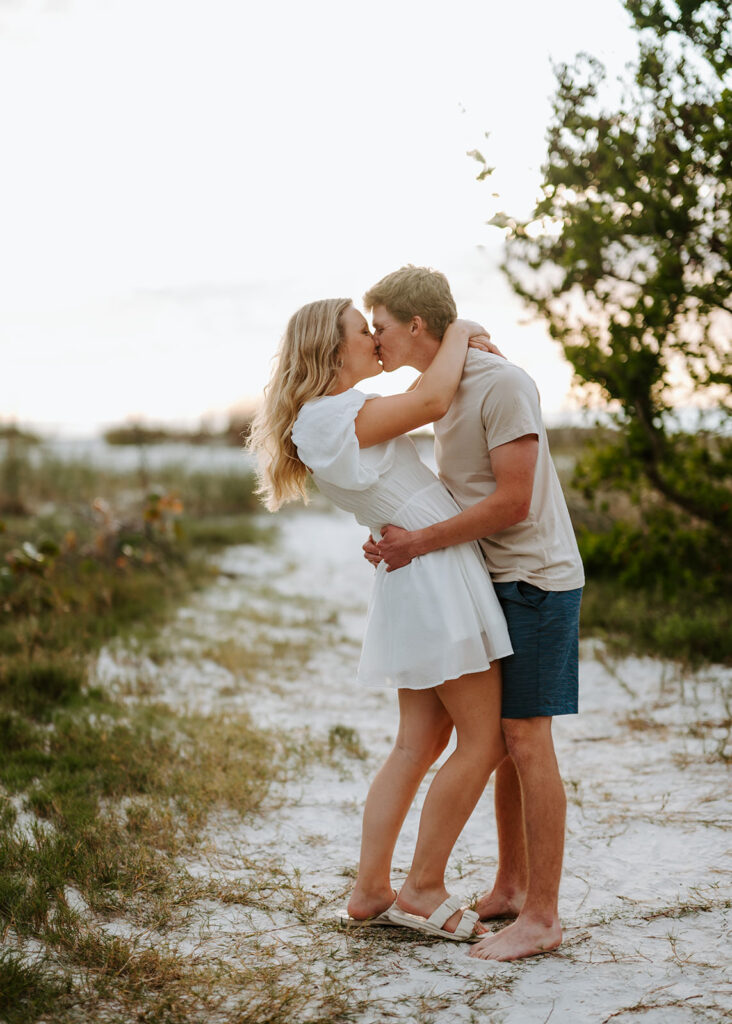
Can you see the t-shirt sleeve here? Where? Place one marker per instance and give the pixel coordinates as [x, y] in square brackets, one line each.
[511, 407]
[325, 437]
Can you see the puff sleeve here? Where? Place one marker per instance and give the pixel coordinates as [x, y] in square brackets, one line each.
[325, 437]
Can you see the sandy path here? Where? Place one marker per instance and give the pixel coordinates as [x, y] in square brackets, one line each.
[647, 892]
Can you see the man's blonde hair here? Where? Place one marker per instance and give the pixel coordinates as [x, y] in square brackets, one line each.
[415, 291]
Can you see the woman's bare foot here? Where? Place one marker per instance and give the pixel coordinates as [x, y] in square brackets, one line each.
[500, 903]
[424, 902]
[525, 937]
[364, 904]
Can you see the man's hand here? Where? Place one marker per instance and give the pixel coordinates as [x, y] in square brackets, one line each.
[396, 547]
[371, 552]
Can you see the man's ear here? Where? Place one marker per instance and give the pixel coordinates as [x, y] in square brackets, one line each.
[416, 325]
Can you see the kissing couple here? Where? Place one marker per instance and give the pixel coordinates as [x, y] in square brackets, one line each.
[474, 612]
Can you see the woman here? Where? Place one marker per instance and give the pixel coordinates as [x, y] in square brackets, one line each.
[434, 629]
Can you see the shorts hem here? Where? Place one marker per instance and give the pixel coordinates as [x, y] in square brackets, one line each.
[539, 712]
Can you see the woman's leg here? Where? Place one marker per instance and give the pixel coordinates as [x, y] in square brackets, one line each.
[424, 731]
[474, 704]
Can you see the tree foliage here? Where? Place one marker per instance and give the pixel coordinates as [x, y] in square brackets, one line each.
[628, 256]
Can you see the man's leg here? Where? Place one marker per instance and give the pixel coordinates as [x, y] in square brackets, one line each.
[424, 731]
[507, 896]
[537, 928]
[540, 680]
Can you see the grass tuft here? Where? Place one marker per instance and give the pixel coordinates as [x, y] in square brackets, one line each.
[28, 990]
[37, 688]
[342, 738]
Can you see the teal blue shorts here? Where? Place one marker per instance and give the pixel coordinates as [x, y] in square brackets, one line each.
[540, 678]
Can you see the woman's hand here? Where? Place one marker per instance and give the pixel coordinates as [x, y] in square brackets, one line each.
[462, 329]
[475, 327]
[481, 339]
[484, 344]
[371, 552]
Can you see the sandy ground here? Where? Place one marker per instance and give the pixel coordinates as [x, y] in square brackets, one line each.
[646, 899]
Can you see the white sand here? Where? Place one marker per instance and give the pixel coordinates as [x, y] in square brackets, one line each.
[647, 890]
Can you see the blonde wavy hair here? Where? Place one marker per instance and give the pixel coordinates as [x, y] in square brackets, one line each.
[306, 366]
[415, 291]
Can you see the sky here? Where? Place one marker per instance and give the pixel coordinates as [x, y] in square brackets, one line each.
[178, 176]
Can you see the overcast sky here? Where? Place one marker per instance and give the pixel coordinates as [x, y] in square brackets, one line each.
[178, 176]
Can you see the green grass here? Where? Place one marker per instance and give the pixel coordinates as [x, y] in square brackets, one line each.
[113, 792]
[31, 478]
[118, 795]
[28, 989]
[684, 627]
[75, 601]
[104, 800]
[81, 569]
[224, 531]
[166, 772]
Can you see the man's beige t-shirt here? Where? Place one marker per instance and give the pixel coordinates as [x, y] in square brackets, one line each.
[498, 402]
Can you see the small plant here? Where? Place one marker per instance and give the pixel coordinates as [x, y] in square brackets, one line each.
[344, 738]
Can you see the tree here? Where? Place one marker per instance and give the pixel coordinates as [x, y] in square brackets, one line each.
[628, 258]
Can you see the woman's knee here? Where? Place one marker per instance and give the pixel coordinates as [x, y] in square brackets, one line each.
[485, 747]
[422, 748]
[440, 740]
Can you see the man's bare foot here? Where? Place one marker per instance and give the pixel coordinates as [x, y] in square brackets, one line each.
[363, 905]
[500, 903]
[424, 902]
[525, 937]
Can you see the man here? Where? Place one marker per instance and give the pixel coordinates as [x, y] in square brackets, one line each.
[492, 454]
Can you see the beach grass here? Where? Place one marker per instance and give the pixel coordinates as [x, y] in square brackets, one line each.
[695, 629]
[101, 796]
[106, 795]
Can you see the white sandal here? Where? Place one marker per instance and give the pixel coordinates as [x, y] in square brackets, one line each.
[433, 925]
[382, 919]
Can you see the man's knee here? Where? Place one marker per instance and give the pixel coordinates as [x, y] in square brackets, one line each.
[527, 738]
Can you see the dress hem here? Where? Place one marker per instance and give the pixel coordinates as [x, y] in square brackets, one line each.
[383, 685]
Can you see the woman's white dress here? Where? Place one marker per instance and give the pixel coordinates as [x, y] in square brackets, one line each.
[436, 618]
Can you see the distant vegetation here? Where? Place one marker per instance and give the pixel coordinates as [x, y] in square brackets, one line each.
[81, 547]
[12, 432]
[652, 588]
[235, 432]
[627, 257]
